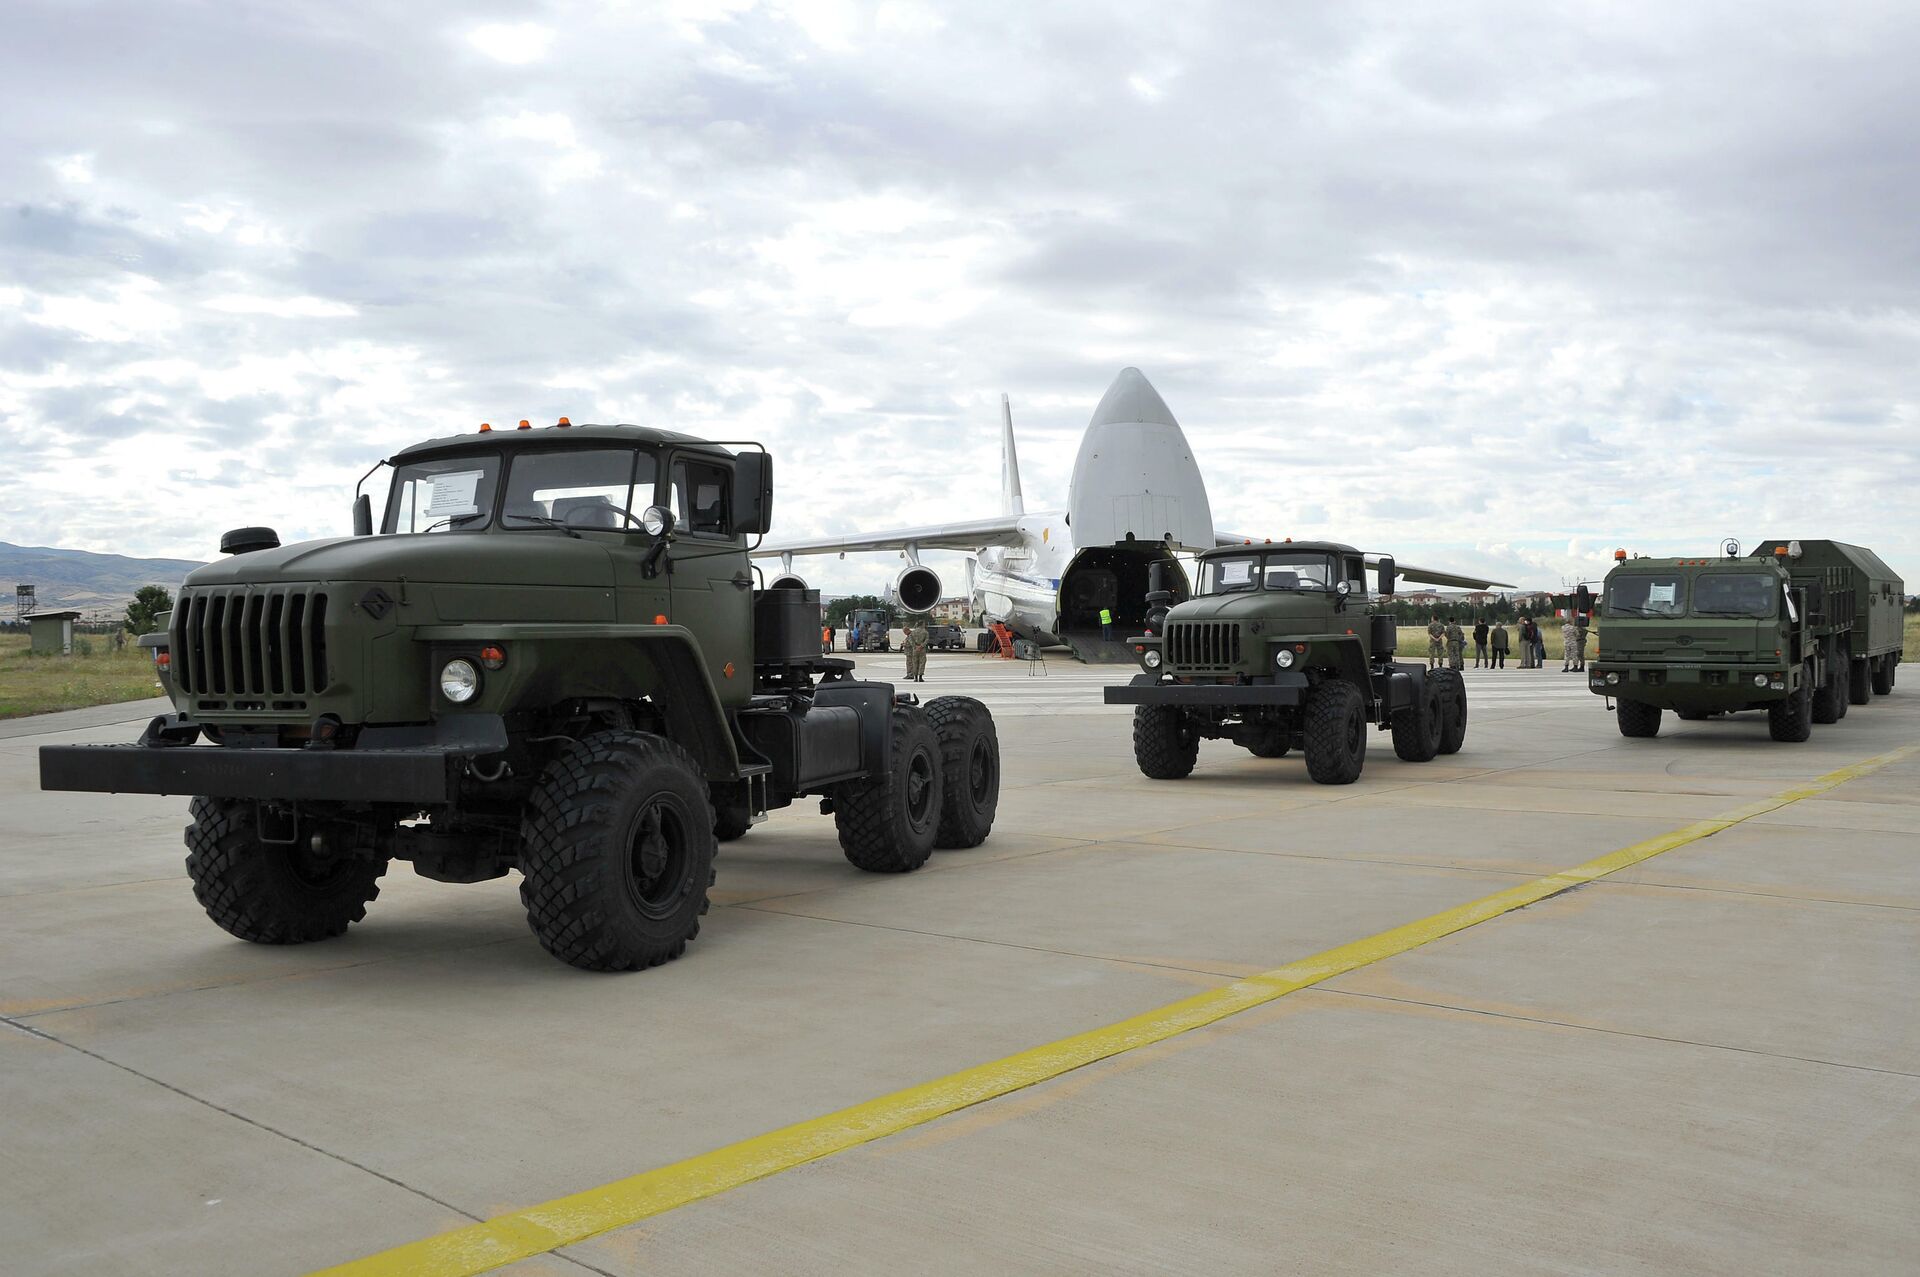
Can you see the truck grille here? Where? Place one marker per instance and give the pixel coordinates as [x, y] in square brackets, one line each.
[250, 641]
[1203, 645]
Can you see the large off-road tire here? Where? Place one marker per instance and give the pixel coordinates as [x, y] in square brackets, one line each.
[1860, 680]
[272, 893]
[1792, 719]
[970, 770]
[1164, 745]
[1336, 734]
[1883, 675]
[616, 849]
[1453, 709]
[1417, 728]
[888, 823]
[1271, 743]
[1636, 718]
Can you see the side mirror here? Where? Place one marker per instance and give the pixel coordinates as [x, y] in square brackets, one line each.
[363, 515]
[1386, 574]
[753, 494]
[1583, 601]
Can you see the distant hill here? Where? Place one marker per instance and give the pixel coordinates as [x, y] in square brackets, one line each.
[80, 580]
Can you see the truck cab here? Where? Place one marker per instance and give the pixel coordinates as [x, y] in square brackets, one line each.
[1281, 648]
[550, 628]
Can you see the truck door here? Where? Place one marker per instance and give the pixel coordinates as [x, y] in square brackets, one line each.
[711, 585]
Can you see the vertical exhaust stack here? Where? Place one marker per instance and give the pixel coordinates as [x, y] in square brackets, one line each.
[1135, 478]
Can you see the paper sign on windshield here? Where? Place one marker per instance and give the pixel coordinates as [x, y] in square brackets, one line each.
[1661, 591]
[454, 494]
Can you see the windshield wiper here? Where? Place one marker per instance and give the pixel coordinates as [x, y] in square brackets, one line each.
[544, 521]
[1708, 611]
[452, 518]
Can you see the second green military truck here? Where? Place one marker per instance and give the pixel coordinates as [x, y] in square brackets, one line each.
[552, 658]
[1280, 649]
[1801, 629]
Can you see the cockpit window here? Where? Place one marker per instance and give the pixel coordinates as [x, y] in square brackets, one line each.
[581, 488]
[451, 494]
[1646, 594]
[1280, 570]
[1754, 594]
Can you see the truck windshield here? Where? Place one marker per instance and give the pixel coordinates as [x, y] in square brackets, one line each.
[579, 488]
[1281, 570]
[1647, 594]
[1753, 594]
[444, 495]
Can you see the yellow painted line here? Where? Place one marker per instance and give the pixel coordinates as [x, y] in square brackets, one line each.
[563, 1221]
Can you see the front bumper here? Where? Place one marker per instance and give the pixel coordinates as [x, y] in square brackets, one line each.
[415, 765]
[1705, 687]
[1148, 689]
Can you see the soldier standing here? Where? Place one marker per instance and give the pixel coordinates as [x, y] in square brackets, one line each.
[1480, 643]
[1456, 646]
[1569, 627]
[1580, 640]
[916, 644]
[1436, 640]
[1502, 642]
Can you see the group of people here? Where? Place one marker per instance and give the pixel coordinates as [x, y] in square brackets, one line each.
[1447, 644]
[914, 645]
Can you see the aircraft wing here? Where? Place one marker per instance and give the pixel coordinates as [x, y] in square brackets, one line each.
[970, 534]
[1433, 576]
[1406, 571]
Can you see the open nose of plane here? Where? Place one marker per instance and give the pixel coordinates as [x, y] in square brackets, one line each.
[1131, 399]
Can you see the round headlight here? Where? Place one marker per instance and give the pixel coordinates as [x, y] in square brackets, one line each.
[1759, 680]
[1152, 659]
[1613, 678]
[656, 520]
[459, 681]
[1283, 658]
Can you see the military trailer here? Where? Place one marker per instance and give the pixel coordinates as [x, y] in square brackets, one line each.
[1280, 649]
[1800, 629]
[550, 658]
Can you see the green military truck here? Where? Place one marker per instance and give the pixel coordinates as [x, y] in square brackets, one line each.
[1280, 649]
[1800, 629]
[551, 658]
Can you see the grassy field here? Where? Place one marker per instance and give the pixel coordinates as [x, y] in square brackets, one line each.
[40, 684]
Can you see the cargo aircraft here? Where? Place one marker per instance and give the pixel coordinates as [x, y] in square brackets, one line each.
[1136, 499]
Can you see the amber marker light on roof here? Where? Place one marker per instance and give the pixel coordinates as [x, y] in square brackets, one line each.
[525, 424]
[1619, 556]
[563, 422]
[485, 428]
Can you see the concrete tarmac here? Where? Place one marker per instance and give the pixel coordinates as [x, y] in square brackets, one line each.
[1706, 1063]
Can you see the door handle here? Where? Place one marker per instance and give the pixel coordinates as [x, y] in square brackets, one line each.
[744, 581]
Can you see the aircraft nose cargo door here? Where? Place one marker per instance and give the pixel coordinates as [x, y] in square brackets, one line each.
[1135, 478]
[1114, 577]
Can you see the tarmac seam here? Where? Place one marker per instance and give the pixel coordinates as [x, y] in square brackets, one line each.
[1623, 1033]
[548, 1226]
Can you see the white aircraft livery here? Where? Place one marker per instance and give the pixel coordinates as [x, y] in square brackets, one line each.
[1136, 499]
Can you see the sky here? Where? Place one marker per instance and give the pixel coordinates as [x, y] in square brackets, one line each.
[1493, 287]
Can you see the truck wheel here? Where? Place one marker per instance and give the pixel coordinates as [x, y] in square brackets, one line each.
[272, 893]
[1271, 743]
[1336, 732]
[983, 641]
[1860, 681]
[1883, 675]
[616, 849]
[888, 822]
[970, 764]
[1164, 747]
[1453, 709]
[1416, 729]
[1637, 719]
[1792, 719]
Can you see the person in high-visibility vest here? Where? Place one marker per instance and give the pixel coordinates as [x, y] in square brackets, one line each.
[1106, 623]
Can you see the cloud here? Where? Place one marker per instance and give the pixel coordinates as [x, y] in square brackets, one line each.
[1485, 288]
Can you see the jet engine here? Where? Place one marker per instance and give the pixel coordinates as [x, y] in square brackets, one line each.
[917, 588]
[787, 581]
